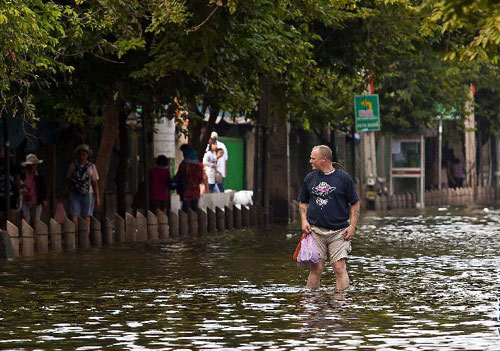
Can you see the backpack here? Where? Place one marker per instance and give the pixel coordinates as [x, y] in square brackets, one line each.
[80, 179]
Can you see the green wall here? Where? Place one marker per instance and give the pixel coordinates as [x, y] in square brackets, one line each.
[236, 170]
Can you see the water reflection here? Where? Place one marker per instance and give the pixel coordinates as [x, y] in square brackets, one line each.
[421, 281]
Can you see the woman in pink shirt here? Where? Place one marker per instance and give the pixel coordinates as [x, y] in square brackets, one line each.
[159, 177]
[34, 189]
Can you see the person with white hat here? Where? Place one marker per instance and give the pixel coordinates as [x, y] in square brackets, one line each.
[34, 189]
[222, 164]
[82, 185]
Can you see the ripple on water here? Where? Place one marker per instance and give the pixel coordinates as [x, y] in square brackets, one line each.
[421, 281]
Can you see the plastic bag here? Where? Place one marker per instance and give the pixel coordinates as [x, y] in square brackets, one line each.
[60, 215]
[308, 254]
[297, 249]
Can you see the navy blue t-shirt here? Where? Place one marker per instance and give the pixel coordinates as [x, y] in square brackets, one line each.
[329, 198]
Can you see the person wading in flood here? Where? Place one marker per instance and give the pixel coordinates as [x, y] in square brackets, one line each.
[329, 211]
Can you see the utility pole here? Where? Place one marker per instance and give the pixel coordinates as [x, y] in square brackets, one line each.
[145, 118]
[470, 141]
[440, 151]
[369, 147]
[262, 150]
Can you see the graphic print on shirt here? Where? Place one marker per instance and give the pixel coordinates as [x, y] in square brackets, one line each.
[322, 192]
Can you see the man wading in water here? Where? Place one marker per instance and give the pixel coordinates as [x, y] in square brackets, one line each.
[329, 211]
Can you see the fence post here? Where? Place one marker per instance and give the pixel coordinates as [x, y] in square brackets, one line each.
[130, 228]
[173, 222]
[193, 222]
[212, 227]
[228, 212]
[27, 240]
[393, 203]
[83, 233]
[245, 216]
[254, 214]
[13, 232]
[220, 219]
[237, 217]
[55, 236]
[119, 228]
[153, 233]
[408, 201]
[107, 234]
[164, 225]
[202, 222]
[142, 227]
[41, 237]
[69, 235]
[95, 232]
[183, 223]
[6, 248]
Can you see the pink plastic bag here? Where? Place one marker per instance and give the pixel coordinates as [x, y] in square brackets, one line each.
[308, 254]
[60, 215]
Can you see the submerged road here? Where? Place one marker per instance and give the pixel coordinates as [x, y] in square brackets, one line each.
[421, 280]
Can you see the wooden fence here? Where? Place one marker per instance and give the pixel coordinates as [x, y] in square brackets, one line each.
[54, 237]
[461, 197]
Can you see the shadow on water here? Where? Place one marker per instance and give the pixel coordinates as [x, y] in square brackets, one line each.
[421, 280]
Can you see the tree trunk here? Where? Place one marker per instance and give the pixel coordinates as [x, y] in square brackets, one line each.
[199, 134]
[121, 169]
[214, 112]
[108, 137]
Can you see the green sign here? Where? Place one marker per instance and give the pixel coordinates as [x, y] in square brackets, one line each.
[444, 114]
[367, 112]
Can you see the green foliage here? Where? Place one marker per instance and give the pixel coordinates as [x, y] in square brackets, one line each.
[30, 33]
[317, 53]
[476, 23]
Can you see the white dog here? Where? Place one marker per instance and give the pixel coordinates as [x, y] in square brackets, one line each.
[243, 197]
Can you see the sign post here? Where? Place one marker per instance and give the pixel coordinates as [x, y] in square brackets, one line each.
[367, 113]
[367, 117]
[443, 114]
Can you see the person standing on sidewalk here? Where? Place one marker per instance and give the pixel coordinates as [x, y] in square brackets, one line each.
[82, 186]
[190, 175]
[210, 163]
[34, 189]
[329, 211]
[159, 178]
[222, 164]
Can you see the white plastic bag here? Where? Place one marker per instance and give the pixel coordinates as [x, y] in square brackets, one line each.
[308, 254]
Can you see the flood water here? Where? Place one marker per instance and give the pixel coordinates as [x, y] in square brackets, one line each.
[421, 280]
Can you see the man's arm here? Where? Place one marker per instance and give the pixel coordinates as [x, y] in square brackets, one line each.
[353, 221]
[306, 228]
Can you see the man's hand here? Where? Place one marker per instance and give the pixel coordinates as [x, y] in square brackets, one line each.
[349, 233]
[306, 228]
[97, 201]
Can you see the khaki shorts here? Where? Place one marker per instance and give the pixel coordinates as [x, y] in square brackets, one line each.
[331, 242]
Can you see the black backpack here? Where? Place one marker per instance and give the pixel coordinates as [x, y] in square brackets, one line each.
[80, 179]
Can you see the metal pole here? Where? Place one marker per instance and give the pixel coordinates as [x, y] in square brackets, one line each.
[145, 159]
[440, 151]
[354, 156]
[422, 174]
